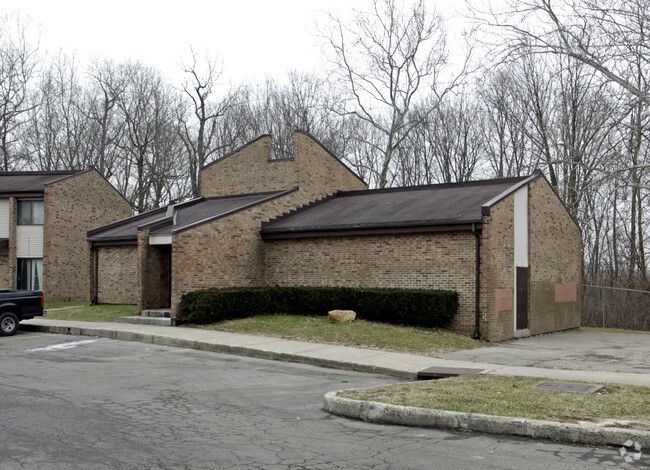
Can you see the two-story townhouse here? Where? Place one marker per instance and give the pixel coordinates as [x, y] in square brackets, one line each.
[44, 217]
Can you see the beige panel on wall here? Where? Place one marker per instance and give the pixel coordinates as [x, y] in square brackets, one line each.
[160, 240]
[521, 227]
[4, 218]
[29, 241]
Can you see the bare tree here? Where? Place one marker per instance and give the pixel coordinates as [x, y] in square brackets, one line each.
[18, 61]
[56, 134]
[447, 147]
[458, 145]
[303, 102]
[387, 59]
[106, 88]
[505, 122]
[138, 106]
[610, 36]
[199, 131]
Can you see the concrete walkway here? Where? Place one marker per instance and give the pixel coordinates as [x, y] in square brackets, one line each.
[326, 355]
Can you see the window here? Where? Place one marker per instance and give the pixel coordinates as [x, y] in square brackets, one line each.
[30, 274]
[30, 213]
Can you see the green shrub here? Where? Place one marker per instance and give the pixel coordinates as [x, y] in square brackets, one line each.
[415, 307]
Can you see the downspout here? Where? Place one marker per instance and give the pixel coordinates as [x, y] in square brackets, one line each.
[477, 284]
[96, 286]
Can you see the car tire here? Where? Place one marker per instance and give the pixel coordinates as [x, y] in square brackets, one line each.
[8, 324]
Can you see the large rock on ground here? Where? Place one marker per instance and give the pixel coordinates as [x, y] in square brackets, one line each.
[342, 315]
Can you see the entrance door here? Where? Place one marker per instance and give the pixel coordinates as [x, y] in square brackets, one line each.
[522, 298]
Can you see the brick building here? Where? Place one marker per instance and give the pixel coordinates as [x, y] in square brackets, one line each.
[507, 246]
[44, 217]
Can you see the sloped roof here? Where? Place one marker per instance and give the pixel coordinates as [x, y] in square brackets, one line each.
[126, 229]
[178, 217]
[28, 182]
[439, 205]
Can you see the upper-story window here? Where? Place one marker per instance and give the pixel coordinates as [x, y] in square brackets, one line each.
[30, 213]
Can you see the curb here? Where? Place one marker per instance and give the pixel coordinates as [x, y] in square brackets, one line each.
[218, 348]
[381, 413]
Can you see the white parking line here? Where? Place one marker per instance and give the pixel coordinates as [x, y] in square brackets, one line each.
[64, 346]
[64, 308]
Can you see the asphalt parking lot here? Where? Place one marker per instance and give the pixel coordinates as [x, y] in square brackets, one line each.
[84, 403]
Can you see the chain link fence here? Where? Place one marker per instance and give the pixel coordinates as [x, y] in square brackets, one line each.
[616, 307]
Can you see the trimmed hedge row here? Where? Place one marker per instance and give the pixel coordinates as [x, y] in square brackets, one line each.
[415, 307]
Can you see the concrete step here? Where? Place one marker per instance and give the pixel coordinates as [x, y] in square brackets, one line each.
[157, 313]
[156, 321]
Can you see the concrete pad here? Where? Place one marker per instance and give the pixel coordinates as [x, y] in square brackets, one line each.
[571, 387]
[583, 349]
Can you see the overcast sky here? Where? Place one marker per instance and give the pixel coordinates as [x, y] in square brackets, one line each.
[253, 38]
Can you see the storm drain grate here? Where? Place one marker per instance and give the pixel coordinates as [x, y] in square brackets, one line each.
[569, 387]
[433, 373]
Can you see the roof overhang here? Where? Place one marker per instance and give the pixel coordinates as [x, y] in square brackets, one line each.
[117, 223]
[368, 231]
[272, 195]
[117, 241]
[485, 209]
[19, 194]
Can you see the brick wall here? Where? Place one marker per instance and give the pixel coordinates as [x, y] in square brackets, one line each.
[8, 261]
[319, 171]
[73, 206]
[248, 170]
[497, 271]
[430, 261]
[227, 252]
[5, 271]
[117, 273]
[555, 255]
[313, 168]
[554, 258]
[153, 273]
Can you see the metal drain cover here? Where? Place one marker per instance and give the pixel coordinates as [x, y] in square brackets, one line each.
[433, 373]
[569, 387]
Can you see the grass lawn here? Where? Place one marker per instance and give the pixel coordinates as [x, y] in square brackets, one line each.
[517, 397]
[359, 333]
[80, 311]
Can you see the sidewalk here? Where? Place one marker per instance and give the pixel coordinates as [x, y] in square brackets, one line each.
[400, 365]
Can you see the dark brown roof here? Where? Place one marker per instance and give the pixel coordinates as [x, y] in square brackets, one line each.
[179, 217]
[29, 182]
[126, 229]
[441, 205]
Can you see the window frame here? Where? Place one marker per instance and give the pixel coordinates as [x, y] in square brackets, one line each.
[30, 268]
[31, 202]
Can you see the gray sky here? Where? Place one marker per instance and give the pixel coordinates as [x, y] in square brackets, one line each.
[253, 38]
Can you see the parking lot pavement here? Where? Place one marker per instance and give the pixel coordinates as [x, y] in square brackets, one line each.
[584, 349]
[78, 402]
